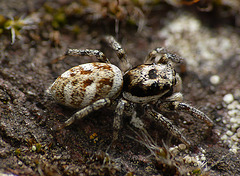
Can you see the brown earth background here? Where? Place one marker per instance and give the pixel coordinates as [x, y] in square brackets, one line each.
[33, 33]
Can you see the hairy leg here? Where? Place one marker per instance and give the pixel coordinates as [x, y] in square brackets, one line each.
[194, 112]
[118, 118]
[167, 124]
[124, 62]
[173, 103]
[85, 111]
[83, 52]
[161, 55]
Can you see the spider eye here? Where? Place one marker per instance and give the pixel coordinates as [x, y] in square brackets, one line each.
[153, 74]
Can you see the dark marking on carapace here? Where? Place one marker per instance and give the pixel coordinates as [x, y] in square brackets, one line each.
[164, 76]
[141, 90]
[152, 74]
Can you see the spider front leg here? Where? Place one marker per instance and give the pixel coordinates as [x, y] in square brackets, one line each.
[124, 62]
[174, 103]
[85, 111]
[194, 112]
[167, 124]
[83, 52]
[161, 55]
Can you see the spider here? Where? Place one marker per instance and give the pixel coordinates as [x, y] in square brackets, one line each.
[154, 85]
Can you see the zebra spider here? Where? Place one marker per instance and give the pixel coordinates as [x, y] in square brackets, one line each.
[153, 85]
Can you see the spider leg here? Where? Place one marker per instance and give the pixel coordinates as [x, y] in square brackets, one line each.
[167, 124]
[178, 85]
[161, 55]
[124, 62]
[194, 112]
[83, 52]
[118, 118]
[85, 111]
[174, 103]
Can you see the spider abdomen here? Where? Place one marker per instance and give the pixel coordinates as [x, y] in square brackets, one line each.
[148, 82]
[84, 84]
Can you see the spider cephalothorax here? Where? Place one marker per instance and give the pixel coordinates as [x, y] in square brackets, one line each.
[148, 82]
[154, 85]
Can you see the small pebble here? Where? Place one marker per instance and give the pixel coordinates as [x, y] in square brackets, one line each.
[233, 105]
[235, 138]
[237, 93]
[224, 121]
[20, 163]
[197, 158]
[215, 79]
[224, 137]
[182, 146]
[233, 120]
[233, 113]
[238, 133]
[234, 127]
[203, 158]
[229, 126]
[203, 151]
[187, 159]
[174, 151]
[234, 149]
[229, 133]
[228, 98]
[194, 160]
[34, 148]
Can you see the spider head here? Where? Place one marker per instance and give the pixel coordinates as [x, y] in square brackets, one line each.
[148, 82]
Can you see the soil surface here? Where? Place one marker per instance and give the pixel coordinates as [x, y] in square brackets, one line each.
[34, 33]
